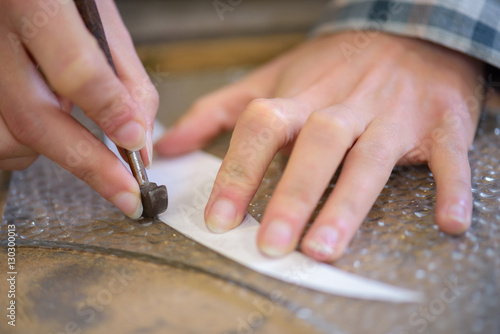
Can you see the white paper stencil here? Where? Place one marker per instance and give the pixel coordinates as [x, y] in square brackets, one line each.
[189, 180]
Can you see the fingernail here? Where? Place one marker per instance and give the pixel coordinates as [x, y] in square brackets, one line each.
[131, 136]
[277, 240]
[149, 147]
[457, 213]
[323, 243]
[130, 204]
[222, 216]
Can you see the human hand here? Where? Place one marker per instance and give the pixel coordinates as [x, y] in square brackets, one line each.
[36, 119]
[399, 101]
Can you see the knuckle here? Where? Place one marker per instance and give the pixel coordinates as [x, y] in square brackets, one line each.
[264, 115]
[299, 197]
[239, 176]
[77, 72]
[86, 174]
[449, 101]
[393, 49]
[26, 129]
[264, 111]
[333, 122]
[453, 148]
[80, 72]
[144, 92]
[446, 98]
[9, 146]
[324, 125]
[115, 113]
[153, 98]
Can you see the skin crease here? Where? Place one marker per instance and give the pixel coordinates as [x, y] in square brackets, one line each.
[35, 119]
[396, 101]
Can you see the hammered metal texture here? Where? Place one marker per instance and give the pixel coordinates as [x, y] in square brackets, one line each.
[399, 243]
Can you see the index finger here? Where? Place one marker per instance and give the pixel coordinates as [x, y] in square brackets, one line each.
[78, 70]
[262, 129]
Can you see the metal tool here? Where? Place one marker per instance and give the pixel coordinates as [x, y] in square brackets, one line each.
[154, 198]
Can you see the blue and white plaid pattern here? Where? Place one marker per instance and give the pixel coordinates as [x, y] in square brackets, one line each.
[469, 26]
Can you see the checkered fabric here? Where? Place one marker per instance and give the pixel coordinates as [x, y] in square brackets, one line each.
[468, 26]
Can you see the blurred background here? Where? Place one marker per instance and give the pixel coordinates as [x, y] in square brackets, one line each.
[191, 47]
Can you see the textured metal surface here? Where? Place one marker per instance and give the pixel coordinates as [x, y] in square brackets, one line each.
[398, 243]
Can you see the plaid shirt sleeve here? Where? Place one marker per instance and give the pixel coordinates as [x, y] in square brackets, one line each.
[469, 26]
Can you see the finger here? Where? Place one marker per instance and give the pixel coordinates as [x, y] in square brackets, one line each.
[33, 116]
[450, 166]
[319, 149]
[205, 120]
[218, 111]
[78, 70]
[10, 148]
[130, 70]
[263, 128]
[366, 169]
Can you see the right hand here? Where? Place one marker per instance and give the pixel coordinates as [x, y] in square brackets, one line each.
[36, 114]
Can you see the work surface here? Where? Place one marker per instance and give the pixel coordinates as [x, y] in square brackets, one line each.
[84, 267]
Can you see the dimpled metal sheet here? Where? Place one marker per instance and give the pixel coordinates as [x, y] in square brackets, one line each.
[398, 243]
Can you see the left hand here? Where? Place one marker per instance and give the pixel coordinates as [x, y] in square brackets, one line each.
[399, 100]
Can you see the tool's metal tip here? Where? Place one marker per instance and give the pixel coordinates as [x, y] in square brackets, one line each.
[154, 200]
